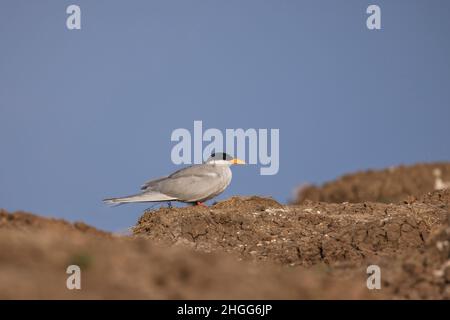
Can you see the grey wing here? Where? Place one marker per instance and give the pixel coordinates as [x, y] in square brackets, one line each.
[190, 184]
[182, 172]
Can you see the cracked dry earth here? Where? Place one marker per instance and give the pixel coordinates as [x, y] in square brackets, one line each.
[342, 239]
[262, 229]
[240, 248]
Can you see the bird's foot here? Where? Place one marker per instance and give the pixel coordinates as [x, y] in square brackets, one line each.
[201, 204]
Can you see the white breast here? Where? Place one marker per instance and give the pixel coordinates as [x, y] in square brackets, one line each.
[225, 180]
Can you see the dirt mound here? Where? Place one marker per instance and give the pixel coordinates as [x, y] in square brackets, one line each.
[33, 262]
[240, 248]
[295, 235]
[387, 186]
[25, 221]
[409, 241]
[424, 274]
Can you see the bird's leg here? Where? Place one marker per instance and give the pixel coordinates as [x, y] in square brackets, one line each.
[201, 204]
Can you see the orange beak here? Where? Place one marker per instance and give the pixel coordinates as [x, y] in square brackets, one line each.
[237, 161]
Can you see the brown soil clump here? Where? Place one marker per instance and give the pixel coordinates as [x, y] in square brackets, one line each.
[304, 235]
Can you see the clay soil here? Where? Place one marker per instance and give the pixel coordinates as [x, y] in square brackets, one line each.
[240, 248]
[387, 186]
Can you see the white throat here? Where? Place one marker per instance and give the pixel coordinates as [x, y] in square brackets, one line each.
[219, 162]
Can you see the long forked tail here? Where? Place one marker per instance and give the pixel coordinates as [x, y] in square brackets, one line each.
[141, 197]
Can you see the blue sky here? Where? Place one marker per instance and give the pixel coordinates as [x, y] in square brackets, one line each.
[87, 114]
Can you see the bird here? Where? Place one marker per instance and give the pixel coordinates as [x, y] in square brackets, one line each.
[194, 184]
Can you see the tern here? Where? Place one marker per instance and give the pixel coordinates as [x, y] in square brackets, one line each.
[195, 184]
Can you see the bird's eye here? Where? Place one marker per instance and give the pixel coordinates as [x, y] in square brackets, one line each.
[213, 155]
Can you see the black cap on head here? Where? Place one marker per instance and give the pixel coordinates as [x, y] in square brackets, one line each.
[220, 156]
